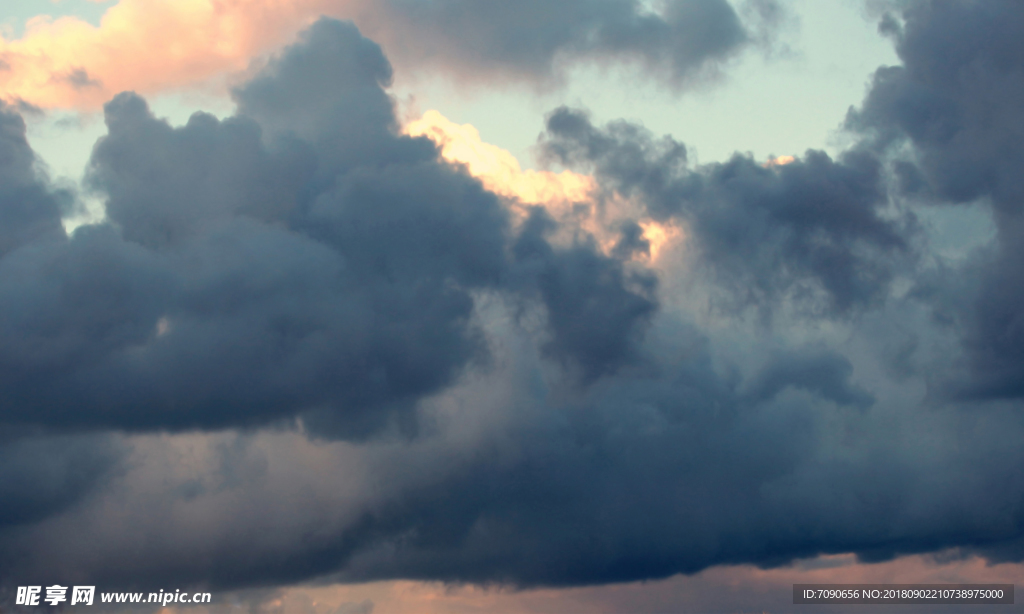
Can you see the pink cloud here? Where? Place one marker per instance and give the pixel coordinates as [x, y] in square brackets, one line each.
[145, 45]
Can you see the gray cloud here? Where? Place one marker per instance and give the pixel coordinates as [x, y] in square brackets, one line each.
[821, 372]
[666, 469]
[956, 99]
[596, 309]
[240, 288]
[29, 209]
[41, 476]
[815, 227]
[79, 79]
[535, 40]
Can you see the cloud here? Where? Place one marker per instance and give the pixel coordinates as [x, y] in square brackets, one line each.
[301, 258]
[29, 209]
[954, 101]
[536, 39]
[145, 46]
[335, 355]
[595, 308]
[208, 303]
[44, 475]
[153, 46]
[821, 372]
[499, 170]
[80, 79]
[570, 198]
[517, 479]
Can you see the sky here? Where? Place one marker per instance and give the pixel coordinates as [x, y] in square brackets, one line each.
[373, 306]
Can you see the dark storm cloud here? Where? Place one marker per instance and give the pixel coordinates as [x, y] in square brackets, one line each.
[328, 91]
[41, 476]
[653, 474]
[821, 372]
[668, 469]
[29, 209]
[535, 39]
[164, 185]
[217, 307]
[813, 228]
[596, 310]
[299, 258]
[957, 99]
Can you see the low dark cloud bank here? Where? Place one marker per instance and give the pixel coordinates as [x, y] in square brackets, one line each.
[489, 403]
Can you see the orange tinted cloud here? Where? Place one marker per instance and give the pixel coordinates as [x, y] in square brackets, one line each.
[779, 161]
[498, 169]
[660, 235]
[146, 46]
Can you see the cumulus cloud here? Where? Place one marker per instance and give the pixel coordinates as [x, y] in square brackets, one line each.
[301, 257]
[338, 355]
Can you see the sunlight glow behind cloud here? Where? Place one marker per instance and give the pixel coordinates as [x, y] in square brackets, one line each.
[497, 168]
[563, 194]
[779, 161]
